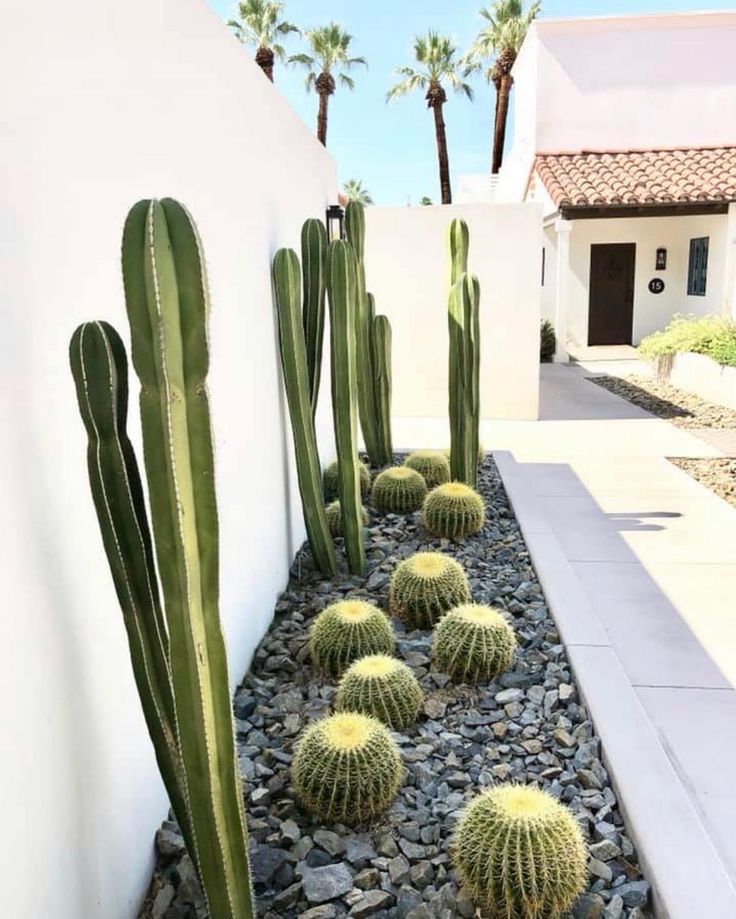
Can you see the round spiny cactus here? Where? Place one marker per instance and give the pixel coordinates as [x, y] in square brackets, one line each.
[334, 518]
[432, 465]
[383, 687]
[399, 490]
[473, 643]
[329, 480]
[520, 853]
[346, 768]
[345, 631]
[453, 510]
[425, 586]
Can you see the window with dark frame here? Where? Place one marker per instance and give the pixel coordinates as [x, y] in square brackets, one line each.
[697, 269]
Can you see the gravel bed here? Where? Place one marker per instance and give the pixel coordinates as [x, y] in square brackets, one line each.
[529, 726]
[666, 401]
[718, 474]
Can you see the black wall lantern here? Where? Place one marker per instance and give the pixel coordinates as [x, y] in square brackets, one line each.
[661, 259]
[335, 222]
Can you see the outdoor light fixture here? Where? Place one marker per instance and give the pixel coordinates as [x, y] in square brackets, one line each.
[661, 259]
[335, 222]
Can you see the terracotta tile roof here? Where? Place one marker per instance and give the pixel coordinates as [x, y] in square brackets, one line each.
[643, 178]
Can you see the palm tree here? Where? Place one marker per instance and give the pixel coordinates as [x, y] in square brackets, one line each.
[425, 201]
[261, 25]
[437, 56]
[354, 190]
[495, 50]
[329, 54]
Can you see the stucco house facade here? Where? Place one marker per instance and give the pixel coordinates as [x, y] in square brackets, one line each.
[625, 131]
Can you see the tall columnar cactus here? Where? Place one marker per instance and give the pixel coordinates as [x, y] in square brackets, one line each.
[382, 370]
[100, 370]
[342, 290]
[355, 232]
[168, 305]
[464, 358]
[294, 364]
[314, 267]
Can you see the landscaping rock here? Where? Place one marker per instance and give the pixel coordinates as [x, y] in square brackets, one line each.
[328, 883]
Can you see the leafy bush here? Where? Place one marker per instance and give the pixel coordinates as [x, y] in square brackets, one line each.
[709, 335]
[547, 342]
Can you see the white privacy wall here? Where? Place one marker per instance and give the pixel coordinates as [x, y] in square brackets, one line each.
[114, 102]
[407, 270]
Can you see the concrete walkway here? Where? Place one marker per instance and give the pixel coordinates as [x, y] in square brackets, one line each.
[638, 564]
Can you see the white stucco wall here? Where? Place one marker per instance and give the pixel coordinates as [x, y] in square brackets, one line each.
[114, 102]
[651, 311]
[618, 83]
[407, 270]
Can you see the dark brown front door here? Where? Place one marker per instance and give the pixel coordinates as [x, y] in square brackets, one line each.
[611, 306]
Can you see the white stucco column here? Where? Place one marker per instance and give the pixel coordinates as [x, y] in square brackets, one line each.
[563, 228]
[729, 279]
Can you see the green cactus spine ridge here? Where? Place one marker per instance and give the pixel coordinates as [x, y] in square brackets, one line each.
[398, 490]
[382, 368]
[464, 378]
[520, 853]
[383, 687]
[473, 643]
[432, 465]
[295, 368]
[314, 267]
[331, 479]
[347, 630]
[168, 306]
[425, 586]
[334, 518]
[347, 768]
[342, 290]
[458, 245]
[453, 511]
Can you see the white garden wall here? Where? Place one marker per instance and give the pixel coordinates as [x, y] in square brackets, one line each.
[407, 270]
[110, 103]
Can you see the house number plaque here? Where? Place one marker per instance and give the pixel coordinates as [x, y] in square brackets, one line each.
[656, 286]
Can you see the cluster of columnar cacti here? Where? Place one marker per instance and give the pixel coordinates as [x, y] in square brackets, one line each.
[432, 465]
[330, 480]
[296, 372]
[425, 586]
[347, 630]
[343, 295]
[334, 518]
[453, 511]
[520, 853]
[473, 643]
[374, 353]
[464, 357]
[347, 768]
[398, 490]
[383, 687]
[179, 661]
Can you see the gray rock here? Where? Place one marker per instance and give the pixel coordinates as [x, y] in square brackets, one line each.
[329, 841]
[326, 883]
[359, 851]
[371, 903]
[265, 862]
[635, 893]
[162, 902]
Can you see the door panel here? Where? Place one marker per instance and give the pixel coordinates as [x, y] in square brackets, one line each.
[611, 304]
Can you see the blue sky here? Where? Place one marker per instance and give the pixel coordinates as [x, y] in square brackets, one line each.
[391, 147]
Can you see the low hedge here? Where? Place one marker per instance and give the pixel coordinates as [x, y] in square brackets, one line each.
[710, 335]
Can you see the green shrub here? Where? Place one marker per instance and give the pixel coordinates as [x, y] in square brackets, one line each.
[520, 853]
[432, 465]
[346, 768]
[547, 341]
[473, 643]
[398, 490]
[334, 518]
[709, 335]
[347, 630]
[329, 480]
[425, 586]
[383, 687]
[453, 511]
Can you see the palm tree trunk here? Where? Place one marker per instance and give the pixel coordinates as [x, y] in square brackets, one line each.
[444, 162]
[324, 99]
[264, 59]
[502, 113]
